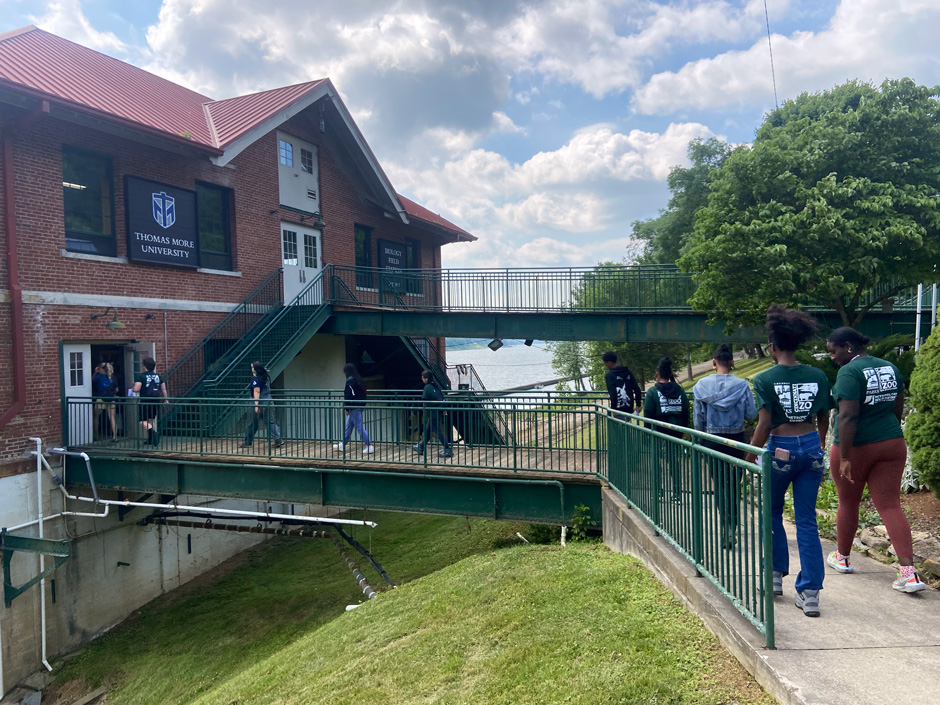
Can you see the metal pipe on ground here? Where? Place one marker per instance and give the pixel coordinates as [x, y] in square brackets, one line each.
[357, 574]
[362, 549]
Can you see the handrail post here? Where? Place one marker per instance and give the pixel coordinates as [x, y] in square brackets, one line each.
[515, 442]
[767, 549]
[698, 543]
[658, 491]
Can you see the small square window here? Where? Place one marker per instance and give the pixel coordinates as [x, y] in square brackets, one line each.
[306, 160]
[286, 151]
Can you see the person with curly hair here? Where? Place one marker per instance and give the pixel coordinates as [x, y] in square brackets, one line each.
[793, 402]
[869, 449]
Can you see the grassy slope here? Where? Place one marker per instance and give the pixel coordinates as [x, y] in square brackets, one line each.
[522, 625]
[197, 637]
[525, 625]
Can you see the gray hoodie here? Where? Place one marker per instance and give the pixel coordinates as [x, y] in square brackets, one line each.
[722, 403]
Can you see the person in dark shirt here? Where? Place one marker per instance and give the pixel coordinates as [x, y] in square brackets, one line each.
[148, 385]
[667, 401]
[625, 393]
[869, 450]
[432, 396]
[262, 407]
[355, 401]
[104, 389]
[793, 403]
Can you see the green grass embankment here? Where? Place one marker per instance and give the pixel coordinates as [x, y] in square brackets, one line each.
[525, 624]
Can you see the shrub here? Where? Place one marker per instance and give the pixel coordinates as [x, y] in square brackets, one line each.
[922, 428]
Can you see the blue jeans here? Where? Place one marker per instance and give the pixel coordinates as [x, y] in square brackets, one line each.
[804, 470]
[433, 424]
[354, 420]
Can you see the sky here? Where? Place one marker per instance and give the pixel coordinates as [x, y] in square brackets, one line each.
[543, 127]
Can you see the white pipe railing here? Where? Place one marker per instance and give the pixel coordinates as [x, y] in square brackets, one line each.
[42, 556]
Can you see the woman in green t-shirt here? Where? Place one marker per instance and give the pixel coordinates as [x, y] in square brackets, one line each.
[793, 403]
[869, 449]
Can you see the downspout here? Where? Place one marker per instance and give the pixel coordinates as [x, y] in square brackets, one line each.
[13, 270]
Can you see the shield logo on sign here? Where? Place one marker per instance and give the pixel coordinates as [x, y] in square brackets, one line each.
[164, 209]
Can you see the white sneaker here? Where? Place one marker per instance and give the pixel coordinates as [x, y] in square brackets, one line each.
[843, 566]
[912, 584]
[337, 446]
[369, 450]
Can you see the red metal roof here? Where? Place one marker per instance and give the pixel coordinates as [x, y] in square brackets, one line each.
[44, 62]
[421, 213]
[233, 117]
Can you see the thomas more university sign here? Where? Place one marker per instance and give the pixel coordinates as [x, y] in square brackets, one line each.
[161, 223]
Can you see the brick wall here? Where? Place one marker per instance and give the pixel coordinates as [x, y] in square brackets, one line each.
[255, 242]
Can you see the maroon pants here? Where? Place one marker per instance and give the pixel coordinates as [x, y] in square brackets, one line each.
[880, 466]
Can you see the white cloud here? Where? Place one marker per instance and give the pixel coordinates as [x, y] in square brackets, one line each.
[865, 39]
[65, 18]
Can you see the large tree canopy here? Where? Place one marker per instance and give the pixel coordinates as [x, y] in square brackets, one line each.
[666, 235]
[834, 204]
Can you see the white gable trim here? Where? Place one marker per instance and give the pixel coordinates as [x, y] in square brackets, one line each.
[326, 90]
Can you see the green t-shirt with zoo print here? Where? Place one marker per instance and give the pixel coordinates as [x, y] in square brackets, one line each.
[875, 384]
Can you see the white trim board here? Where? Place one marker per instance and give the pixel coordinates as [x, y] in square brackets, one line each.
[65, 298]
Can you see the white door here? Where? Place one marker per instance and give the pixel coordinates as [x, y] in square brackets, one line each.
[76, 368]
[300, 255]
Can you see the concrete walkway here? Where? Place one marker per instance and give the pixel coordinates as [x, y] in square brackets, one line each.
[871, 645]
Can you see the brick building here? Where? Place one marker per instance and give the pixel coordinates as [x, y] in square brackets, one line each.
[121, 189]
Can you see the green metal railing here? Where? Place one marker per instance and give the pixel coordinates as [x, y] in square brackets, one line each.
[707, 502]
[713, 507]
[557, 437]
[225, 337]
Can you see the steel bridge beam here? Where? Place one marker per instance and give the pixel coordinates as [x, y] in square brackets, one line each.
[639, 327]
[492, 497]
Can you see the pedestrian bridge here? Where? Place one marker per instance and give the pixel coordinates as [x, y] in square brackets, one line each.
[541, 457]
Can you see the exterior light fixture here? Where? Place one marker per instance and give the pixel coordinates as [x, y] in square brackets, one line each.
[495, 344]
[114, 323]
[318, 223]
[528, 342]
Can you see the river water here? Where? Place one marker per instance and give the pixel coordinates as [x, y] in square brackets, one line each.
[510, 366]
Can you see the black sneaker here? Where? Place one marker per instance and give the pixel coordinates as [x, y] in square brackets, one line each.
[446, 453]
[418, 448]
[244, 445]
[278, 443]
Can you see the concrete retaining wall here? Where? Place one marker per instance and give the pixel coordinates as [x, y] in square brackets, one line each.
[93, 591]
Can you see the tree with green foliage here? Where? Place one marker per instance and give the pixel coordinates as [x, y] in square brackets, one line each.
[835, 204]
[922, 428]
[569, 361]
[612, 285]
[667, 234]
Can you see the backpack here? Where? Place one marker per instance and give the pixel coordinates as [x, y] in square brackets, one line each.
[151, 385]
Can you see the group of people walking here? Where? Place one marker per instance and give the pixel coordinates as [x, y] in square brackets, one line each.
[793, 405]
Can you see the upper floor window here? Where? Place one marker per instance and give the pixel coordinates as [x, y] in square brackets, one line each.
[413, 261]
[212, 216]
[306, 160]
[286, 150]
[88, 195]
[363, 238]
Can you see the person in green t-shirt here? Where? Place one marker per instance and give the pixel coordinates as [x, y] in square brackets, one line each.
[869, 449]
[793, 403]
[667, 401]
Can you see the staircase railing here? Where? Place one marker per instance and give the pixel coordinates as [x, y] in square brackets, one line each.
[276, 335]
[184, 377]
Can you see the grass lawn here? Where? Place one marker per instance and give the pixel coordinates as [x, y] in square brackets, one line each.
[524, 624]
